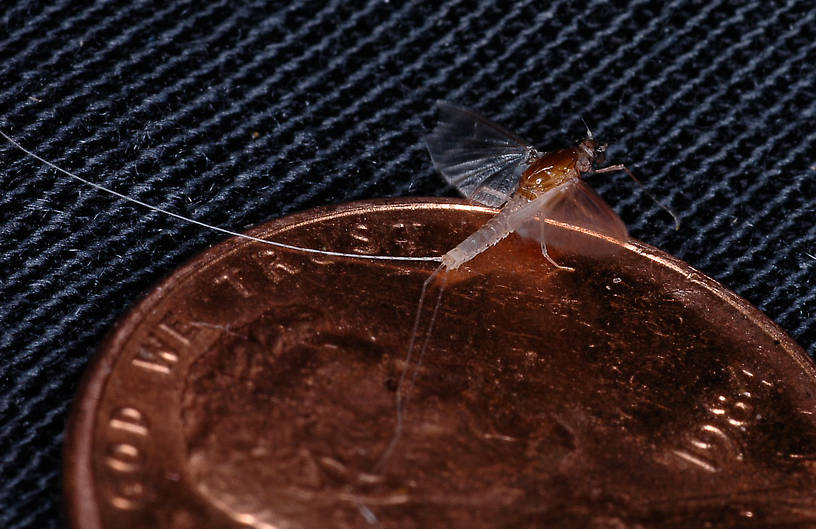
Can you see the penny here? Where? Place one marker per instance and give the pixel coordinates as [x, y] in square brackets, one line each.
[255, 387]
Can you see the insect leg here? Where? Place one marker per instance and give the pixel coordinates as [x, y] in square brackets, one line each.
[621, 167]
[547, 255]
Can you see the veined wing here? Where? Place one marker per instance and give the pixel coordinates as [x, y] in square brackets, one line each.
[576, 204]
[482, 159]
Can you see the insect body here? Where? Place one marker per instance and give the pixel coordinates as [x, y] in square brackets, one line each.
[494, 167]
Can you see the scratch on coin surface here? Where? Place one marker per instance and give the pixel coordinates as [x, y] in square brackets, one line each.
[224, 328]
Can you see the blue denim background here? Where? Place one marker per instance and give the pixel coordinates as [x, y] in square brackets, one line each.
[237, 113]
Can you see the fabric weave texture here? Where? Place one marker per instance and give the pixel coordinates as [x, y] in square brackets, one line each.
[235, 113]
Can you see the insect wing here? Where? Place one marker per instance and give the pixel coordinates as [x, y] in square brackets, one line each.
[575, 204]
[482, 159]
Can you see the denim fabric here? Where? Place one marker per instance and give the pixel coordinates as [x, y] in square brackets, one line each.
[238, 112]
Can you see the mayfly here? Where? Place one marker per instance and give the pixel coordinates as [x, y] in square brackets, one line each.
[494, 167]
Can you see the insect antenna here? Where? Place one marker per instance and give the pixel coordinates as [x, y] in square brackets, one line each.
[210, 226]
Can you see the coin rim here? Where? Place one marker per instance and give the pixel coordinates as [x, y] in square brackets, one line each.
[78, 482]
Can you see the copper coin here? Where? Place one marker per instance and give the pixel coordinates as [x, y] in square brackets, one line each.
[255, 387]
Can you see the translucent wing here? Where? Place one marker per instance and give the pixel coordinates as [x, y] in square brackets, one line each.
[483, 160]
[576, 204]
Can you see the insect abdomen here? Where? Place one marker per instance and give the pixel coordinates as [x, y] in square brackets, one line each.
[494, 230]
